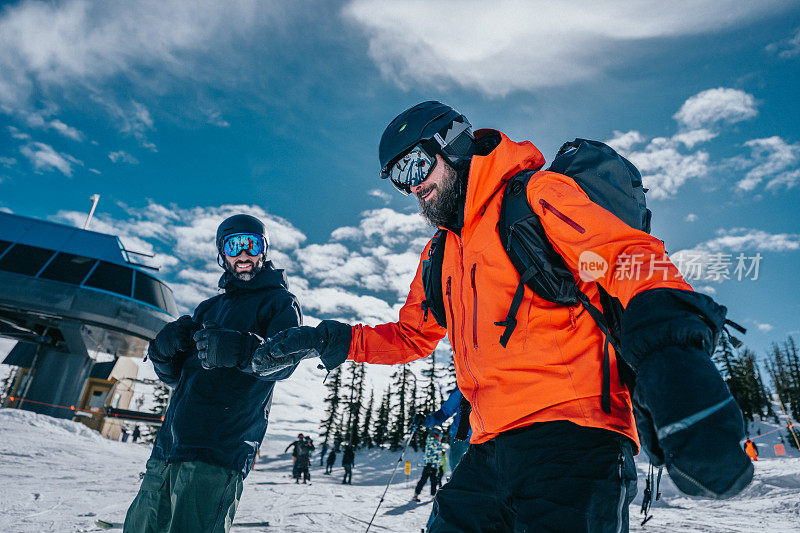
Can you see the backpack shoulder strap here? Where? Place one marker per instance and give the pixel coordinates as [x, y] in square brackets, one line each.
[432, 279]
[527, 246]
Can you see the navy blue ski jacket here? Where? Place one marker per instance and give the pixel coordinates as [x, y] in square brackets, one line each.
[219, 416]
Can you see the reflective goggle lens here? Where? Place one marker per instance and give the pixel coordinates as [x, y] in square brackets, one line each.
[410, 170]
[243, 242]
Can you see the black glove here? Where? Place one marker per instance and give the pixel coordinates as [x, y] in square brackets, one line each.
[419, 420]
[219, 347]
[330, 340]
[685, 414]
[174, 340]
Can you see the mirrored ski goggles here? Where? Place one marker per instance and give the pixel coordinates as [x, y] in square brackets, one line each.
[243, 242]
[410, 170]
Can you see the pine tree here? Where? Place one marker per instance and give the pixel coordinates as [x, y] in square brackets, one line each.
[348, 395]
[365, 438]
[352, 434]
[381, 434]
[329, 423]
[432, 396]
[400, 422]
[416, 441]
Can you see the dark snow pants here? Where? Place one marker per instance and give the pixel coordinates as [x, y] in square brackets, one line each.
[348, 473]
[551, 476]
[185, 496]
[431, 472]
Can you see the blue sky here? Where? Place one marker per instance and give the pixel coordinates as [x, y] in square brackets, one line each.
[181, 113]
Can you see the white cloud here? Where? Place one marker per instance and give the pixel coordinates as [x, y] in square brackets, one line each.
[132, 118]
[706, 289]
[714, 106]
[690, 138]
[388, 226]
[19, 135]
[744, 239]
[43, 157]
[787, 48]
[520, 45]
[8, 161]
[215, 118]
[624, 142]
[38, 120]
[691, 217]
[667, 163]
[733, 254]
[771, 159]
[765, 328]
[122, 156]
[85, 42]
[665, 169]
[380, 195]
[119, 54]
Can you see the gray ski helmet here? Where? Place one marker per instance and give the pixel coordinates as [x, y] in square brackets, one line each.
[440, 128]
[241, 224]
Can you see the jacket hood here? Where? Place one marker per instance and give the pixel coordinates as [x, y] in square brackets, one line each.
[268, 278]
[487, 173]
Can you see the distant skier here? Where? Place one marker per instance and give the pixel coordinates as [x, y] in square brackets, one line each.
[460, 430]
[348, 460]
[124, 431]
[136, 434]
[432, 461]
[323, 452]
[331, 460]
[294, 445]
[218, 414]
[751, 449]
[304, 449]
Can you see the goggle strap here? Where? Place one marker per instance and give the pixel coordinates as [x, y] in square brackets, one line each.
[456, 128]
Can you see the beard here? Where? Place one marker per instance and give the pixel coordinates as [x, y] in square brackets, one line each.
[443, 209]
[247, 275]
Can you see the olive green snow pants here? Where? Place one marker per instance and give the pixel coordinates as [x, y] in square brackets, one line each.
[184, 497]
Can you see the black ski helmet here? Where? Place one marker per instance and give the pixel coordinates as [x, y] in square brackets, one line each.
[440, 128]
[241, 224]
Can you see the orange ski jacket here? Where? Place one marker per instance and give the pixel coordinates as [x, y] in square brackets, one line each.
[551, 368]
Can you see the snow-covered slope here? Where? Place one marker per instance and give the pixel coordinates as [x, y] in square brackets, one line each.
[59, 476]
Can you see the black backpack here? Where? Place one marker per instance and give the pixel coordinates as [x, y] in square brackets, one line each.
[610, 181]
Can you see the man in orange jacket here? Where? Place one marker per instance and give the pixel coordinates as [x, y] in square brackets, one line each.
[544, 454]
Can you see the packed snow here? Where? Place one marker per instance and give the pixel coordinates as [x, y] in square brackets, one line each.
[59, 476]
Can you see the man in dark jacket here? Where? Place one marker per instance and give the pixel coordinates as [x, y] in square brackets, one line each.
[304, 448]
[217, 416]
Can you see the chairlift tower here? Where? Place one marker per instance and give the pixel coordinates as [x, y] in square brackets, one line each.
[74, 300]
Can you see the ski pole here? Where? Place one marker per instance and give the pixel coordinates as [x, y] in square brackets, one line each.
[399, 460]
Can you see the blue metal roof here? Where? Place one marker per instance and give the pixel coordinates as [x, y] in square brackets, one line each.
[62, 238]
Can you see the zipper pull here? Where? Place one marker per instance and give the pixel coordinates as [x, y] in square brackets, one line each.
[572, 320]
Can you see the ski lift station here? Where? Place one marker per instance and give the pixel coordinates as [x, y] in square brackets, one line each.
[82, 311]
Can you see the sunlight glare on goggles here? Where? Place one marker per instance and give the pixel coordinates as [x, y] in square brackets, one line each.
[243, 242]
[411, 169]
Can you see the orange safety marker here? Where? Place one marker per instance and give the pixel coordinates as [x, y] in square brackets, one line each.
[780, 450]
[408, 468]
